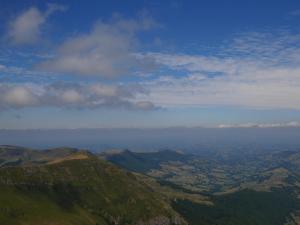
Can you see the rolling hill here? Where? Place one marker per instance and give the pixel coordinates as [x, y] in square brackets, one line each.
[66, 186]
[74, 187]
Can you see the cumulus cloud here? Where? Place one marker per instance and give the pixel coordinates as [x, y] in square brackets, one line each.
[72, 96]
[145, 105]
[26, 28]
[258, 71]
[107, 50]
[255, 70]
[2, 67]
[18, 96]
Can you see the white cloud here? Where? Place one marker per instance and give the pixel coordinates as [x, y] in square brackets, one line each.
[146, 105]
[102, 90]
[196, 63]
[72, 96]
[18, 96]
[2, 67]
[256, 70]
[110, 91]
[107, 50]
[26, 28]
[261, 125]
[259, 71]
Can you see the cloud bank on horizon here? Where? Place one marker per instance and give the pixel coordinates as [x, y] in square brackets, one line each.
[121, 62]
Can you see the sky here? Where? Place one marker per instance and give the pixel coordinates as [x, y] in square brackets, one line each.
[149, 64]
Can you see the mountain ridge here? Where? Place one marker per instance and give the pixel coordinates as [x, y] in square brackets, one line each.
[83, 191]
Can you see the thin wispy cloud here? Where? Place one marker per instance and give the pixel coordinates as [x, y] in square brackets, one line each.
[295, 12]
[261, 125]
[255, 72]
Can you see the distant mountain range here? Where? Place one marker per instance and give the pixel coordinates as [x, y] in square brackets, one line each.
[143, 161]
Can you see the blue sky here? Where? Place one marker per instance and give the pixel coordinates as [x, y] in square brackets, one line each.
[78, 64]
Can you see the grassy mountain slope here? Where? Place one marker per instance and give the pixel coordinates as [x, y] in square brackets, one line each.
[20, 156]
[83, 191]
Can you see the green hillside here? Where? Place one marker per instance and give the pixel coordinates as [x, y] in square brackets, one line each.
[20, 156]
[83, 191]
[245, 207]
[66, 186]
